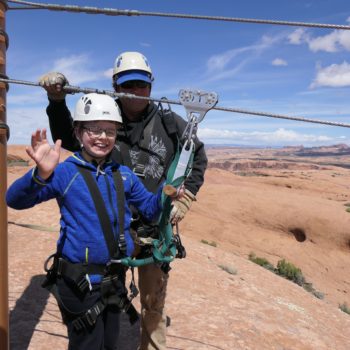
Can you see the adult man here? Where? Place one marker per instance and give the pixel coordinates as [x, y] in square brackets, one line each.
[147, 143]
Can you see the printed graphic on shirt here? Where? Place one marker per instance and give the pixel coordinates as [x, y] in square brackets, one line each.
[153, 168]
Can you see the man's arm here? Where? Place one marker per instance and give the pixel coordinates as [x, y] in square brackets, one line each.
[61, 124]
[60, 120]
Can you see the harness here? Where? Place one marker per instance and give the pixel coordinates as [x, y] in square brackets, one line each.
[112, 286]
[168, 246]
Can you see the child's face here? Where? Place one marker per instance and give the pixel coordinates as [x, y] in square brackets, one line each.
[98, 138]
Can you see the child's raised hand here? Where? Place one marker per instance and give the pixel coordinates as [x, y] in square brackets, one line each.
[45, 156]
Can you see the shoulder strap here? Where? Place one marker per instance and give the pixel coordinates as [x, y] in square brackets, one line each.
[170, 126]
[119, 185]
[169, 122]
[139, 168]
[101, 212]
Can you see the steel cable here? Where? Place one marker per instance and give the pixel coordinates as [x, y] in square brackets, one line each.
[118, 12]
[77, 89]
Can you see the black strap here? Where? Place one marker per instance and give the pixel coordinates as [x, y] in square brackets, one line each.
[89, 318]
[101, 212]
[119, 185]
[77, 272]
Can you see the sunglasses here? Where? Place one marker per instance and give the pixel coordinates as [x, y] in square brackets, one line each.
[131, 84]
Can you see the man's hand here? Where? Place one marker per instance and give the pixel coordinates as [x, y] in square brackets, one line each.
[181, 206]
[53, 82]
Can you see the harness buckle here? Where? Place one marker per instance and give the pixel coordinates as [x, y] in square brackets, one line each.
[139, 170]
[89, 318]
[113, 262]
[78, 324]
[83, 284]
[181, 251]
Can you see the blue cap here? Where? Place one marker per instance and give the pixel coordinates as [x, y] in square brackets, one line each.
[133, 75]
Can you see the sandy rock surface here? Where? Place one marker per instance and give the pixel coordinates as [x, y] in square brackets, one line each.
[295, 213]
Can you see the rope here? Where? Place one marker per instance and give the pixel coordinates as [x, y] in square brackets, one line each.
[75, 89]
[117, 12]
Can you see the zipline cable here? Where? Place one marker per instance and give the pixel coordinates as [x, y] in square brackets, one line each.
[77, 89]
[25, 8]
[118, 12]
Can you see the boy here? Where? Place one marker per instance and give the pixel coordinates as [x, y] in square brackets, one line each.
[95, 221]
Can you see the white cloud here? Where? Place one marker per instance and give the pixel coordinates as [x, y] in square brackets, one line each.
[328, 43]
[23, 121]
[335, 75]
[32, 98]
[220, 62]
[278, 137]
[76, 69]
[333, 42]
[279, 62]
[344, 39]
[108, 73]
[229, 63]
[299, 36]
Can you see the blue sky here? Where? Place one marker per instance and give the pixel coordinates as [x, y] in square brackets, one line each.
[270, 68]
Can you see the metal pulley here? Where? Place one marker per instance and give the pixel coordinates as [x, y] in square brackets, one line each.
[197, 103]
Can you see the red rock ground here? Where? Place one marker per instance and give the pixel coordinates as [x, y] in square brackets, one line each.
[247, 208]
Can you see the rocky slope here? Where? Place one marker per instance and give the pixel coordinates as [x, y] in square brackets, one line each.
[217, 298]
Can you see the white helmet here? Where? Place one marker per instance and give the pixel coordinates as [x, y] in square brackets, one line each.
[91, 107]
[131, 66]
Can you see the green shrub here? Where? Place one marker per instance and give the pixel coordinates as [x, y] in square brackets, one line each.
[261, 261]
[317, 294]
[17, 162]
[345, 308]
[289, 271]
[212, 243]
[228, 269]
[347, 210]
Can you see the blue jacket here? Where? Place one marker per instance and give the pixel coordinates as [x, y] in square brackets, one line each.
[81, 238]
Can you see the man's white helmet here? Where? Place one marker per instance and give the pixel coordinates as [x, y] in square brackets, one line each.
[131, 66]
[92, 107]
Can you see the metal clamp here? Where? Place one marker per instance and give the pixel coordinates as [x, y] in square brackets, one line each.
[4, 126]
[197, 102]
[6, 37]
[4, 76]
